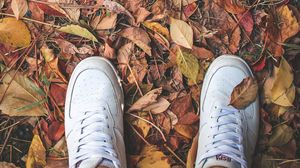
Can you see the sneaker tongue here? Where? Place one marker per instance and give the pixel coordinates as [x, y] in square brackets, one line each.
[94, 162]
[222, 161]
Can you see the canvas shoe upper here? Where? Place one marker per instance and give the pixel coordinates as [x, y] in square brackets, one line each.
[94, 115]
[227, 136]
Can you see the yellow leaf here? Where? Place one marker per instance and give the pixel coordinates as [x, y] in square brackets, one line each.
[244, 93]
[188, 65]
[151, 157]
[19, 7]
[141, 124]
[36, 154]
[279, 88]
[23, 97]
[158, 28]
[78, 31]
[14, 33]
[181, 33]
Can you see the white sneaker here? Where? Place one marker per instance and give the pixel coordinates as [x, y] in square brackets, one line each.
[227, 136]
[94, 116]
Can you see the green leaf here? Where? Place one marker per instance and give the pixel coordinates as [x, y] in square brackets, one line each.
[281, 135]
[23, 97]
[188, 65]
[79, 31]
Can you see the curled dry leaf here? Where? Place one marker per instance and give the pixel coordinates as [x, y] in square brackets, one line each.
[188, 65]
[123, 56]
[11, 30]
[152, 157]
[281, 135]
[78, 31]
[181, 33]
[158, 107]
[244, 93]
[139, 37]
[116, 8]
[19, 7]
[146, 100]
[36, 154]
[23, 97]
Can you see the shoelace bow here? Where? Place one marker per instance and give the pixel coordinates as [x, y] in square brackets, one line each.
[227, 137]
[93, 142]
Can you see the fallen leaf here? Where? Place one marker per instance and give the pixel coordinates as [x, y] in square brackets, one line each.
[141, 124]
[185, 130]
[246, 21]
[123, 56]
[78, 31]
[244, 93]
[192, 153]
[180, 3]
[281, 135]
[116, 8]
[138, 10]
[51, 9]
[151, 157]
[2, 3]
[188, 118]
[146, 100]
[11, 30]
[190, 9]
[268, 161]
[19, 7]
[181, 33]
[108, 22]
[36, 12]
[202, 53]
[235, 7]
[157, 28]
[158, 107]
[109, 52]
[6, 164]
[58, 92]
[23, 97]
[279, 33]
[139, 37]
[36, 154]
[56, 131]
[188, 65]
[53, 163]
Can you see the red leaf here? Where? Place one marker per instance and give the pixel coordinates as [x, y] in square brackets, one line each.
[188, 118]
[56, 130]
[259, 65]
[190, 9]
[49, 11]
[58, 92]
[246, 21]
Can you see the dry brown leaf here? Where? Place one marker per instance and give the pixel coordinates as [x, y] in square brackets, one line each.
[108, 22]
[7, 165]
[158, 107]
[147, 99]
[192, 154]
[123, 56]
[139, 37]
[202, 53]
[36, 154]
[181, 3]
[19, 7]
[181, 33]
[187, 131]
[151, 157]
[244, 93]
[36, 12]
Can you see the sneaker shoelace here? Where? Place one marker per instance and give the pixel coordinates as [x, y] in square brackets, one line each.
[227, 136]
[94, 141]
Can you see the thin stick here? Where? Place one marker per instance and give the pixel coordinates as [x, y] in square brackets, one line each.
[6, 141]
[173, 153]
[158, 129]
[139, 134]
[135, 81]
[31, 20]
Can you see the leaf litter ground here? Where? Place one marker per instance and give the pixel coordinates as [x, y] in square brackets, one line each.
[162, 49]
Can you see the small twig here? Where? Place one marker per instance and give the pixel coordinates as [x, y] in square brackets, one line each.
[173, 153]
[139, 134]
[31, 20]
[158, 129]
[135, 81]
[6, 141]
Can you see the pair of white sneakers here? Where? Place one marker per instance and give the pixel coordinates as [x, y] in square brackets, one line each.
[94, 117]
